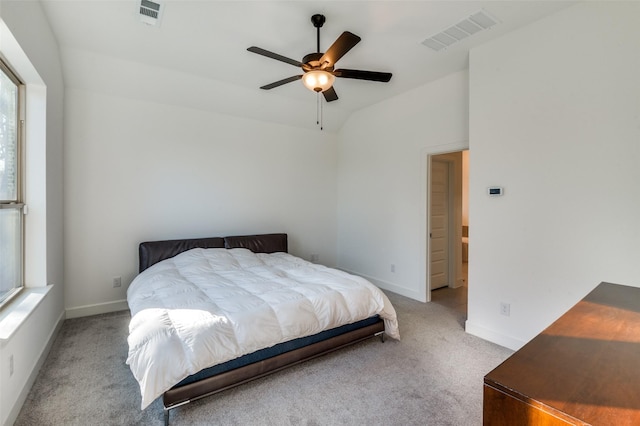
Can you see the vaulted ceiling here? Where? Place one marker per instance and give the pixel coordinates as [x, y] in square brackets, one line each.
[197, 55]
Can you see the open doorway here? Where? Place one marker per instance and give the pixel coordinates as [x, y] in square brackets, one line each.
[448, 225]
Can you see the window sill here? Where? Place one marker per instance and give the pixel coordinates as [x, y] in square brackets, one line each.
[18, 310]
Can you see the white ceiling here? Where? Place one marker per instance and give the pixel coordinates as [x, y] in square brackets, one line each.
[197, 57]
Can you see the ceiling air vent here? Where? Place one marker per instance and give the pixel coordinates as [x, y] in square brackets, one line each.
[473, 24]
[150, 12]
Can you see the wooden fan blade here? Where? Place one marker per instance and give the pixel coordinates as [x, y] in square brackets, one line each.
[364, 75]
[281, 82]
[342, 45]
[275, 56]
[330, 94]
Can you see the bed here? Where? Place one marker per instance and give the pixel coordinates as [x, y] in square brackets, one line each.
[209, 314]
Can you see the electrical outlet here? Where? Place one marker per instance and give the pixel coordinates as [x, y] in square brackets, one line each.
[10, 365]
[505, 309]
[117, 282]
[393, 267]
[315, 257]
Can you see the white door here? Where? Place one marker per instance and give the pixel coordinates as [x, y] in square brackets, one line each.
[439, 224]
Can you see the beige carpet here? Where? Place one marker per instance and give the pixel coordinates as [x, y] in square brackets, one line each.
[432, 377]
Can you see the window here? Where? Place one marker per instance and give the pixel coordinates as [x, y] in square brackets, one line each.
[11, 206]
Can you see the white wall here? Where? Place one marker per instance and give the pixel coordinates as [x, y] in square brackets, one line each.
[29, 46]
[555, 120]
[382, 181]
[138, 171]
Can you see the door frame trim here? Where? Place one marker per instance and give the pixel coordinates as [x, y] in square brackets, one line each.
[425, 185]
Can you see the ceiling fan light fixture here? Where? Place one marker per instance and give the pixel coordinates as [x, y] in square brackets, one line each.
[318, 80]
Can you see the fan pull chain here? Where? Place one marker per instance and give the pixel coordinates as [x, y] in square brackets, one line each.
[321, 112]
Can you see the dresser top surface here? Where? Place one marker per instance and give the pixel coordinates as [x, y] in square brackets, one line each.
[586, 364]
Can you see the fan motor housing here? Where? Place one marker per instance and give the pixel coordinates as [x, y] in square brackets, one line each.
[312, 57]
[312, 62]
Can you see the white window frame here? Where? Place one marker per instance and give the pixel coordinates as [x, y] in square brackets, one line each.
[18, 203]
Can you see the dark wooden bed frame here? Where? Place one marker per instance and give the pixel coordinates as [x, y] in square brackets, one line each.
[155, 251]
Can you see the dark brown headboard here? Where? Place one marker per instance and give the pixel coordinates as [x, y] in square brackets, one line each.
[152, 252]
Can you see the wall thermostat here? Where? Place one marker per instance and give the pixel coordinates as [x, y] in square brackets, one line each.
[495, 191]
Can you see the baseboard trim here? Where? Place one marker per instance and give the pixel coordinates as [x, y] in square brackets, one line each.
[493, 336]
[458, 283]
[385, 285]
[15, 410]
[97, 309]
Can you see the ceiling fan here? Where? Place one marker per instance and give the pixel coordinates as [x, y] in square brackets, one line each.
[319, 68]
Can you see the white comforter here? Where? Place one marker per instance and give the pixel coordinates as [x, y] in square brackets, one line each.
[207, 306]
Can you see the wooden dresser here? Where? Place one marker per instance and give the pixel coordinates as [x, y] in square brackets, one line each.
[584, 369]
